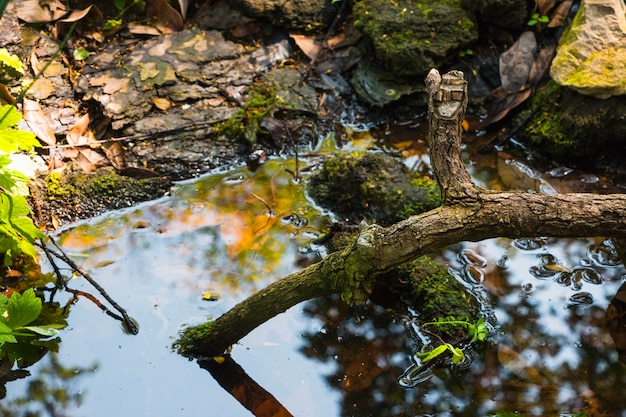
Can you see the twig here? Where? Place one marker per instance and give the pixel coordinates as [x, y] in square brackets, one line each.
[128, 322]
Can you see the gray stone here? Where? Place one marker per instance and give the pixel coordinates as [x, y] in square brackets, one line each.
[591, 56]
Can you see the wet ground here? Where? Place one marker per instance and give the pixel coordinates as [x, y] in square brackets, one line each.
[553, 349]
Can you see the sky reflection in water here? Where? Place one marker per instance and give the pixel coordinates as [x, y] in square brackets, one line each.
[233, 233]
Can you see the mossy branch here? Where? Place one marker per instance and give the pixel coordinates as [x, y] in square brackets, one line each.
[468, 213]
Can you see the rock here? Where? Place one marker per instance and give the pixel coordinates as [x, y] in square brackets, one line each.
[372, 187]
[301, 15]
[516, 62]
[591, 56]
[578, 130]
[410, 38]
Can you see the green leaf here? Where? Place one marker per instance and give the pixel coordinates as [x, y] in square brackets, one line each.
[457, 354]
[9, 116]
[432, 354]
[6, 334]
[14, 140]
[42, 330]
[22, 309]
[81, 54]
[10, 65]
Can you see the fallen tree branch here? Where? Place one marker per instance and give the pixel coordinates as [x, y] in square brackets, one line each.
[468, 213]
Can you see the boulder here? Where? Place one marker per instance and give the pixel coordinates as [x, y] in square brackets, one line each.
[299, 15]
[591, 56]
[409, 38]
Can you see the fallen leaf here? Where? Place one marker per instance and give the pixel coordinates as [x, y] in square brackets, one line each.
[5, 95]
[38, 122]
[40, 11]
[541, 65]
[309, 45]
[91, 21]
[162, 103]
[87, 159]
[183, 4]
[115, 154]
[168, 20]
[139, 29]
[559, 15]
[544, 6]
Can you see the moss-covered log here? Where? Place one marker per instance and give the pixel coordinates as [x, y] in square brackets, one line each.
[468, 213]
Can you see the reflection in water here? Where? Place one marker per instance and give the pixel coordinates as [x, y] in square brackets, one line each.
[192, 256]
[51, 391]
[551, 352]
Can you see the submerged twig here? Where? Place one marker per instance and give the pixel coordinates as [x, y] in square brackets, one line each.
[129, 324]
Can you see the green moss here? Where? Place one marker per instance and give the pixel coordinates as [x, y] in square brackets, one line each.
[436, 293]
[372, 187]
[410, 38]
[57, 187]
[186, 343]
[245, 124]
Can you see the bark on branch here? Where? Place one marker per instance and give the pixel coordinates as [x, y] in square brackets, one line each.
[468, 213]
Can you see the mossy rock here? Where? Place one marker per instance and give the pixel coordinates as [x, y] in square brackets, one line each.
[430, 292]
[372, 187]
[575, 129]
[410, 37]
[73, 195]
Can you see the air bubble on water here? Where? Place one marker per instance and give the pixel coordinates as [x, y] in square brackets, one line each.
[528, 287]
[414, 376]
[564, 279]
[503, 262]
[580, 299]
[586, 262]
[528, 244]
[473, 275]
[604, 254]
[583, 273]
[469, 257]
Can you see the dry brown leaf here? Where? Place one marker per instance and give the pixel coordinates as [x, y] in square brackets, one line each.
[184, 4]
[115, 155]
[87, 159]
[89, 27]
[310, 45]
[544, 6]
[77, 135]
[38, 122]
[162, 103]
[541, 64]
[5, 95]
[559, 15]
[40, 11]
[168, 20]
[139, 29]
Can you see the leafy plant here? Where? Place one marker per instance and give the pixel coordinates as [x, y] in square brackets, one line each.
[478, 331]
[17, 231]
[537, 18]
[16, 315]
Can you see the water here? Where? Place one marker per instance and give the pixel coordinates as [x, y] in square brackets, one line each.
[185, 258]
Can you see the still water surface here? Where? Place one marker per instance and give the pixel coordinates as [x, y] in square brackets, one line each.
[215, 240]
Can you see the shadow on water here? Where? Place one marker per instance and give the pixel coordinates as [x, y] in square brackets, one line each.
[555, 348]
